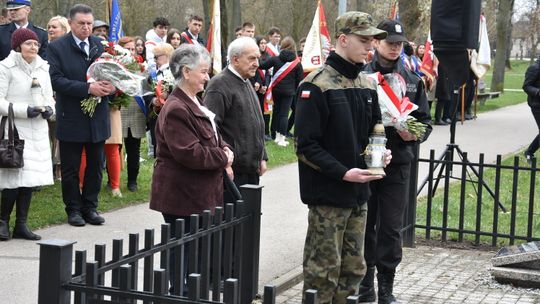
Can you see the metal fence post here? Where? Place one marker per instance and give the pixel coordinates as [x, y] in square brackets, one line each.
[250, 269]
[410, 212]
[55, 260]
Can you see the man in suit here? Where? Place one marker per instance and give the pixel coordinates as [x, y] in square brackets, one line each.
[69, 58]
[18, 11]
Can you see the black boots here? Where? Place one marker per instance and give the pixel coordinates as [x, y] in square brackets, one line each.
[4, 231]
[22, 197]
[385, 282]
[366, 293]
[9, 196]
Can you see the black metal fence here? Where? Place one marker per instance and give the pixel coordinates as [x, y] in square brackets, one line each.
[226, 243]
[487, 203]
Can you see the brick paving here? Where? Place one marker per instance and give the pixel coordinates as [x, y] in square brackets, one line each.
[443, 275]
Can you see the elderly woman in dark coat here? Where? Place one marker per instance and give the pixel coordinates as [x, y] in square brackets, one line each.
[191, 156]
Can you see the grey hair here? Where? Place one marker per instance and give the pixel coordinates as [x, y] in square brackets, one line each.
[187, 55]
[237, 47]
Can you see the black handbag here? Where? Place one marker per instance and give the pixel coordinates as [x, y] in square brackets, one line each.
[12, 147]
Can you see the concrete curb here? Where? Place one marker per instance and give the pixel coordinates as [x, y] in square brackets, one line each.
[288, 280]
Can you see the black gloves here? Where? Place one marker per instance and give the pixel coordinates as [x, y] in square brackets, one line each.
[33, 112]
[47, 113]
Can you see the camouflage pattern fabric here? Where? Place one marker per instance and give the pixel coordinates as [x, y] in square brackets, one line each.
[357, 23]
[334, 252]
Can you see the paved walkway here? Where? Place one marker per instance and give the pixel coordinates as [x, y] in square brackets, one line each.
[433, 275]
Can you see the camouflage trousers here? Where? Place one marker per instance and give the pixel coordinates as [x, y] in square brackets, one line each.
[334, 262]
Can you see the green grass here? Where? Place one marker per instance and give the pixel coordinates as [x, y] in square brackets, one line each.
[487, 206]
[47, 207]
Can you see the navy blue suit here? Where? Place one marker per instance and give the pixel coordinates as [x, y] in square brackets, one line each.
[74, 129]
[6, 30]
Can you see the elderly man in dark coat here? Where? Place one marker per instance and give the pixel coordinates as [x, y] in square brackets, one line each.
[69, 58]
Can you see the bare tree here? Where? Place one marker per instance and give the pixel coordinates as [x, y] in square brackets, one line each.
[410, 16]
[504, 17]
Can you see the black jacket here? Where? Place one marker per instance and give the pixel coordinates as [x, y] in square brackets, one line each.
[287, 86]
[68, 65]
[336, 109]
[199, 38]
[531, 85]
[239, 119]
[403, 151]
[6, 30]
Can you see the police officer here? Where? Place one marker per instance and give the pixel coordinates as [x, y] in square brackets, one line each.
[336, 110]
[18, 11]
[389, 196]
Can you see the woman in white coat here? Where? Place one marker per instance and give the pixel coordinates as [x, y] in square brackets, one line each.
[32, 107]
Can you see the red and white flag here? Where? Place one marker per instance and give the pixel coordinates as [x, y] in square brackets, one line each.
[214, 37]
[481, 60]
[427, 66]
[317, 45]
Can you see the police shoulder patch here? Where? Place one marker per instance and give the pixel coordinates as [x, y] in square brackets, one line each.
[305, 94]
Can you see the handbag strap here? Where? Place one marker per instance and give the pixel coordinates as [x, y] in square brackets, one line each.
[13, 134]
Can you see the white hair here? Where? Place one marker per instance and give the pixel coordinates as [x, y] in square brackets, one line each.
[239, 45]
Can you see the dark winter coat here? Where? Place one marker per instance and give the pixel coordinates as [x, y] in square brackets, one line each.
[68, 76]
[336, 109]
[287, 86]
[239, 118]
[188, 172]
[531, 85]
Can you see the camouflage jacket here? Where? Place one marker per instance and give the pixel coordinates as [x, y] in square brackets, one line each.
[335, 112]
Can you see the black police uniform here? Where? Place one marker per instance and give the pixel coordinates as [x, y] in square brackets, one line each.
[6, 30]
[390, 194]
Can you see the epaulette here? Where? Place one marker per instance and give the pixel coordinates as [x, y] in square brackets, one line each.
[40, 28]
[314, 74]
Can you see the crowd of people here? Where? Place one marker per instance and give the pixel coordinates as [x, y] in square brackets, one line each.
[205, 129]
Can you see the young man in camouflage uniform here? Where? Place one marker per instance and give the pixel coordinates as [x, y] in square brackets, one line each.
[337, 108]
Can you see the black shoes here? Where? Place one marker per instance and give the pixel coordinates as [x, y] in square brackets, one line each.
[93, 218]
[132, 187]
[21, 231]
[76, 219]
[440, 123]
[4, 231]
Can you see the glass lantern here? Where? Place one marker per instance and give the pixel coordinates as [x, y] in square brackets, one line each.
[375, 151]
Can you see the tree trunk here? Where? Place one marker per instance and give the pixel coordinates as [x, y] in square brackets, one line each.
[504, 15]
[207, 11]
[224, 24]
[236, 16]
[508, 45]
[409, 14]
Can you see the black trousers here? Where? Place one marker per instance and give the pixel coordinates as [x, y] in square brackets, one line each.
[535, 144]
[70, 157]
[171, 219]
[133, 152]
[389, 196]
[280, 113]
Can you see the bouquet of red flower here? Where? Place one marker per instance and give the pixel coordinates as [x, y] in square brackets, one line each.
[395, 106]
[119, 67]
